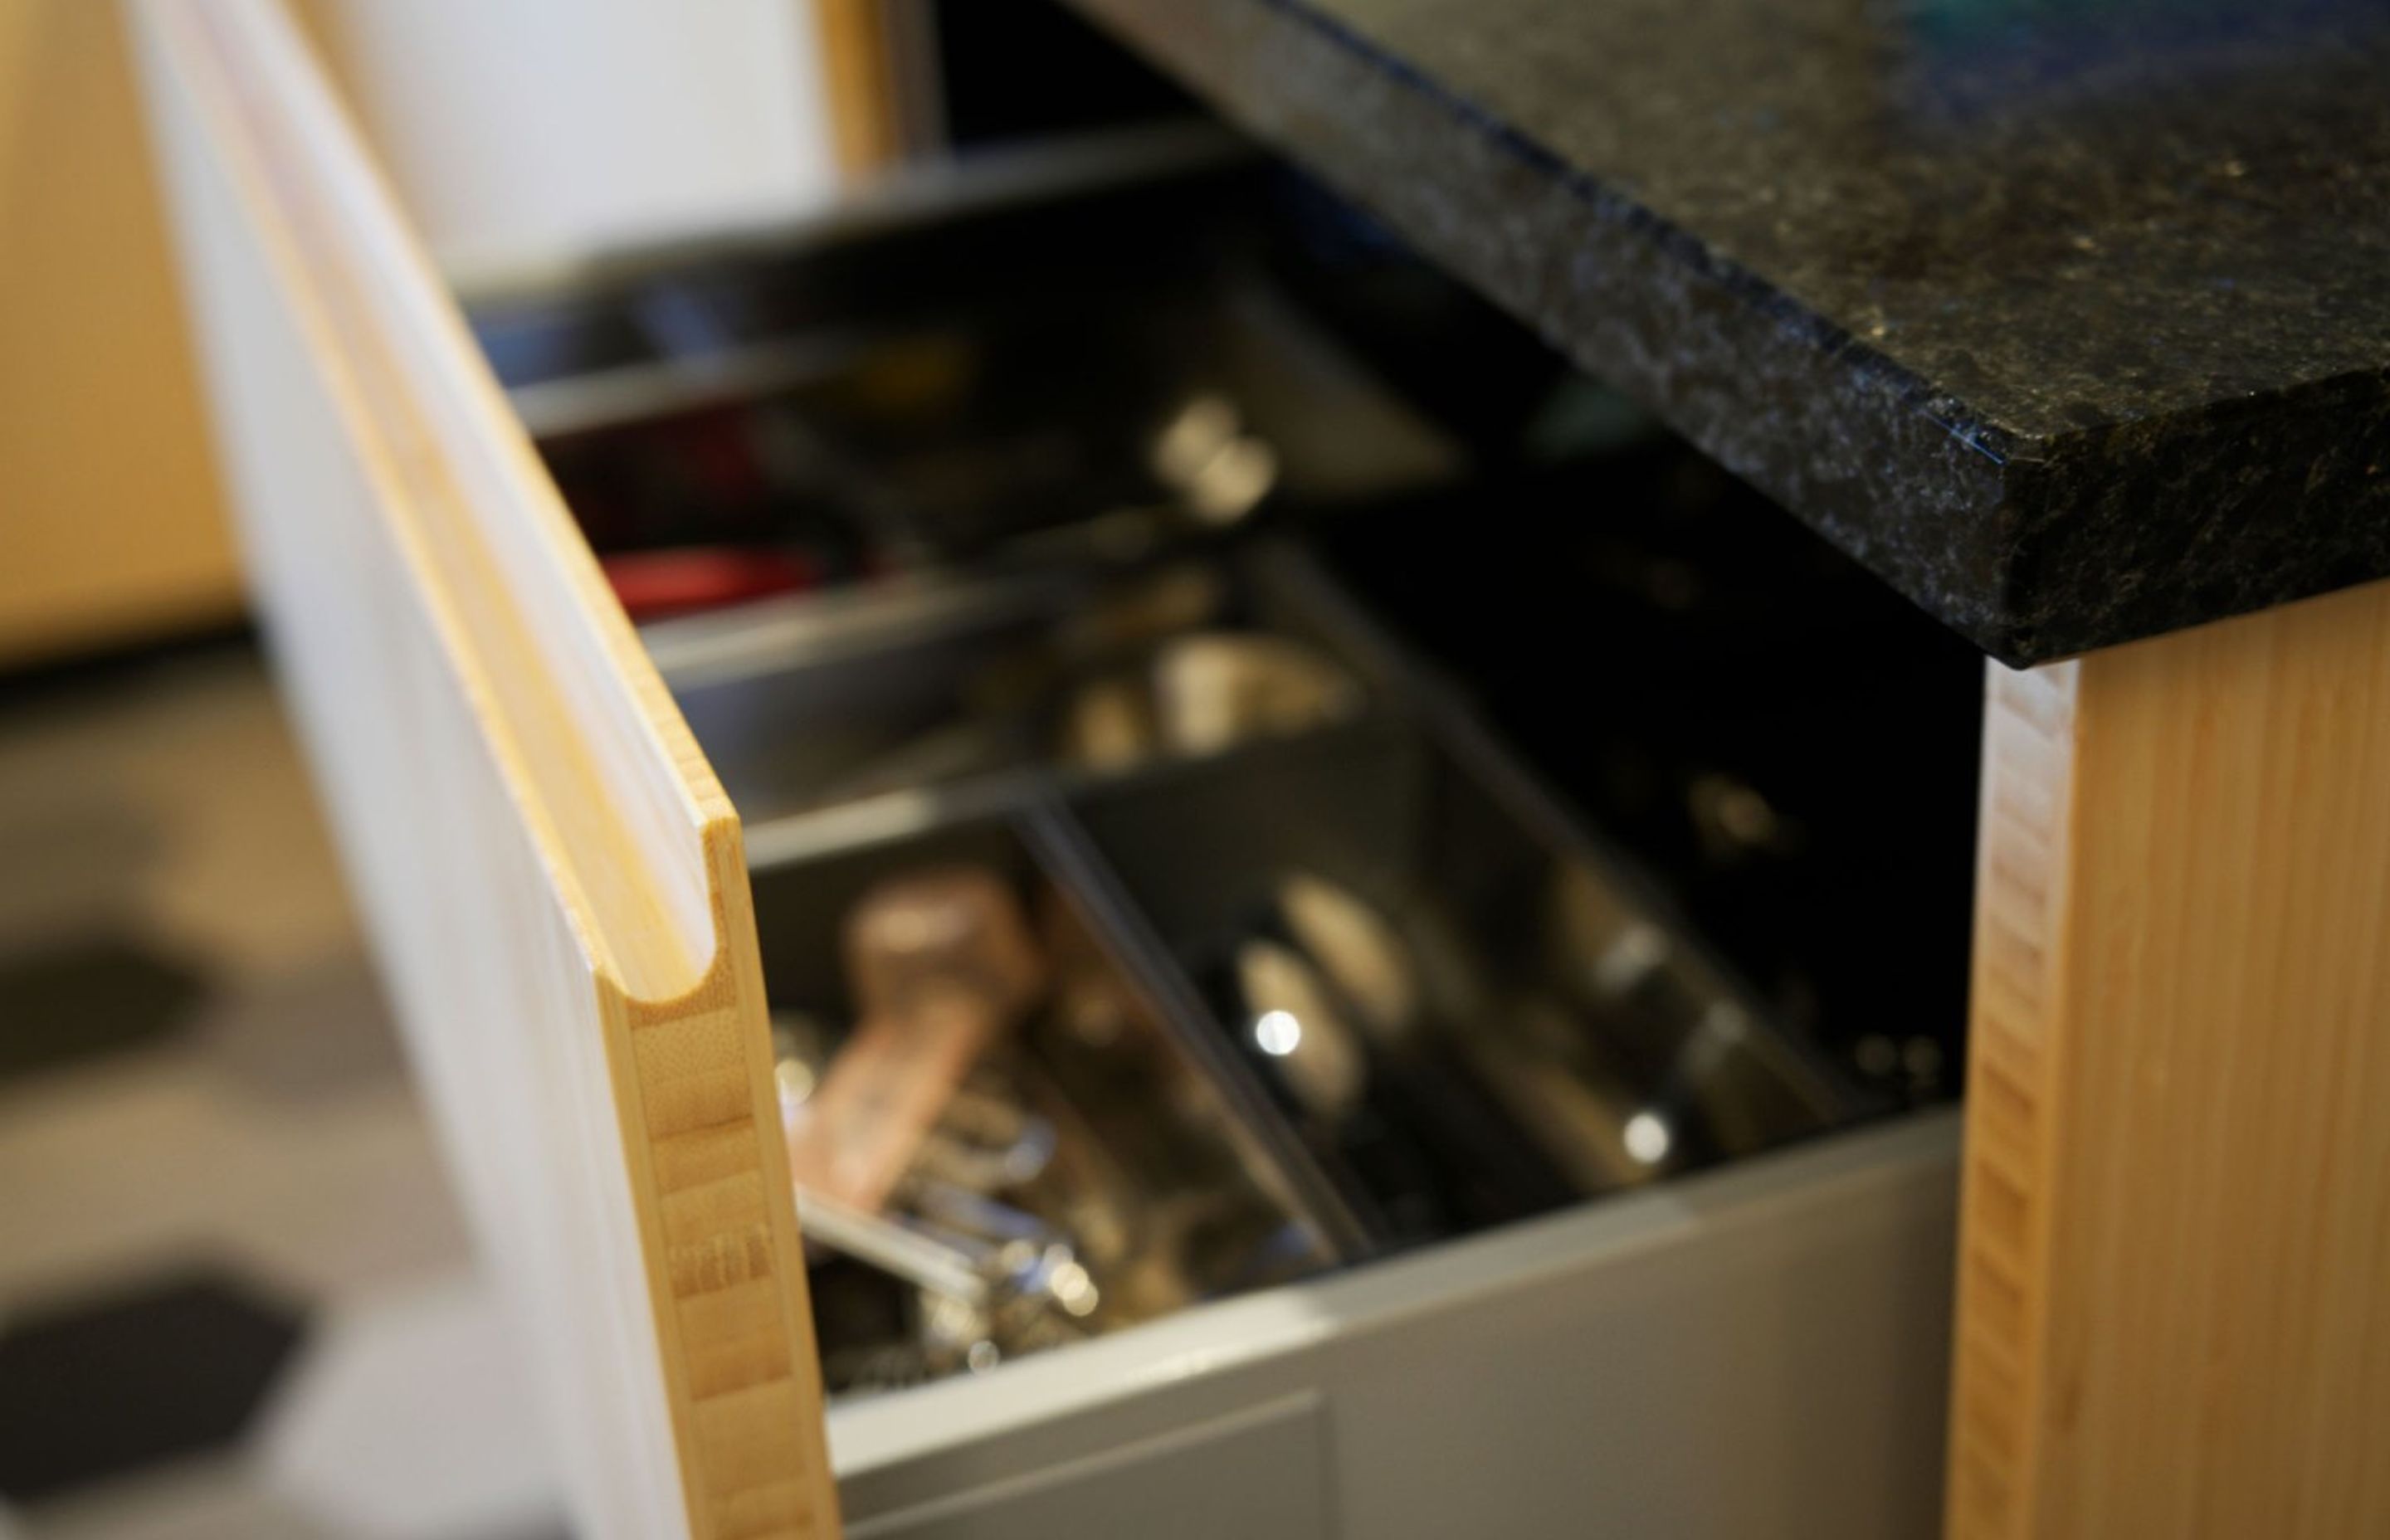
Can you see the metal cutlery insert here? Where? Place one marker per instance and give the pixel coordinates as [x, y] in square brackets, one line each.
[1467, 1013]
[1230, 952]
[951, 689]
[1084, 1171]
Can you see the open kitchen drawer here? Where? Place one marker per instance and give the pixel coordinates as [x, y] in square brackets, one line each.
[555, 884]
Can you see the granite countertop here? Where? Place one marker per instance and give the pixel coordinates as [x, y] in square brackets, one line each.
[2069, 318]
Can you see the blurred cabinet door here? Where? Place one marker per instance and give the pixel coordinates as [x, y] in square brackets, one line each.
[111, 526]
[552, 875]
[522, 131]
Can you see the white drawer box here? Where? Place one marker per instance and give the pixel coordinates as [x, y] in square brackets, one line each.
[559, 895]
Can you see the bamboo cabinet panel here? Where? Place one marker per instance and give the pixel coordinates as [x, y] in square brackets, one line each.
[2174, 1270]
[552, 873]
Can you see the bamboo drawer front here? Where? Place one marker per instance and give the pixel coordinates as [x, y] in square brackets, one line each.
[552, 875]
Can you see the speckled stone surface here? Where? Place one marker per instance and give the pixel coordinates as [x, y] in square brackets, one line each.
[2070, 318]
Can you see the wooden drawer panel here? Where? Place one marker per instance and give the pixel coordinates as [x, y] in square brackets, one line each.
[553, 877]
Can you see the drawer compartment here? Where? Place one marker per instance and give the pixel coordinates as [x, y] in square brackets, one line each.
[981, 691]
[1086, 1131]
[1511, 1022]
[1582, 1330]
[971, 383]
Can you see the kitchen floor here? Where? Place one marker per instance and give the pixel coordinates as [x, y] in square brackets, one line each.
[237, 1297]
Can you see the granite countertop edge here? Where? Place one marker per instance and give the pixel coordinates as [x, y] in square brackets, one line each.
[2030, 545]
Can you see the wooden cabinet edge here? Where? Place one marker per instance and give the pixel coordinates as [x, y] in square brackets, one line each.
[2024, 828]
[702, 1129]
[2174, 1308]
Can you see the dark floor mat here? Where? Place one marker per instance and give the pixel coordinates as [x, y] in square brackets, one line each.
[90, 997]
[103, 1388]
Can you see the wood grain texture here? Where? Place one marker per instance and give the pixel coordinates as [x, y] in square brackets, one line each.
[110, 527]
[552, 875]
[859, 71]
[2174, 1305]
